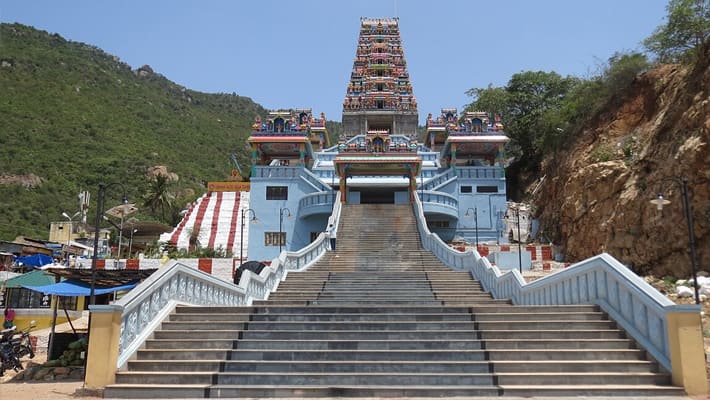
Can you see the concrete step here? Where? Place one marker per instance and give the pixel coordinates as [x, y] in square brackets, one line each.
[347, 309]
[584, 378]
[383, 302]
[598, 391]
[401, 378]
[303, 378]
[346, 354]
[295, 391]
[395, 355]
[548, 316]
[576, 334]
[360, 325]
[315, 344]
[341, 317]
[362, 335]
[386, 344]
[609, 366]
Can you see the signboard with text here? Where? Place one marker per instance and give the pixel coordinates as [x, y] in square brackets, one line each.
[228, 186]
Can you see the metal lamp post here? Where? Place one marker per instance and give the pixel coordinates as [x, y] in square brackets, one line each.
[281, 218]
[475, 221]
[661, 201]
[99, 213]
[241, 235]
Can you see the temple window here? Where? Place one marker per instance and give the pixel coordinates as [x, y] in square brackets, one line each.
[380, 87]
[277, 193]
[486, 189]
[466, 189]
[438, 224]
[274, 238]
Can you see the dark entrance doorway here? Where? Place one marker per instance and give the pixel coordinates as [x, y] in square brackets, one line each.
[377, 196]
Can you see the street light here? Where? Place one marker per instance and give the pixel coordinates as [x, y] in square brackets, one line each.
[130, 242]
[99, 213]
[475, 220]
[661, 201]
[281, 218]
[120, 212]
[516, 212]
[241, 235]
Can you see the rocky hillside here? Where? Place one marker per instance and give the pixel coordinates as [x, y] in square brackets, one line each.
[595, 197]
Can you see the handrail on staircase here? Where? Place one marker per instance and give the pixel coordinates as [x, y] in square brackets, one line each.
[148, 304]
[314, 180]
[634, 304]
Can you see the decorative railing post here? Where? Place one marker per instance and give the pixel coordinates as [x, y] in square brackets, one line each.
[102, 354]
[687, 351]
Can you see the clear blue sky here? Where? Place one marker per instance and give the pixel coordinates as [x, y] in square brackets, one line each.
[287, 53]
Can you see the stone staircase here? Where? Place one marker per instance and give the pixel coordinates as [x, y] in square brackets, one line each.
[381, 317]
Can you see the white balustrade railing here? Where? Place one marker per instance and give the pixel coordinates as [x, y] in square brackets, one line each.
[268, 171]
[636, 306]
[314, 180]
[480, 172]
[148, 304]
[437, 180]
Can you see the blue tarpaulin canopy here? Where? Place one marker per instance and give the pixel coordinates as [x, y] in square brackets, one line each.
[77, 288]
[35, 260]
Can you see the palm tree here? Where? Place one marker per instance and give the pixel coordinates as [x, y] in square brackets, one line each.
[158, 195]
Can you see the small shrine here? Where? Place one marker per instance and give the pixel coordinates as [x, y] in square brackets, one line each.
[287, 137]
[475, 139]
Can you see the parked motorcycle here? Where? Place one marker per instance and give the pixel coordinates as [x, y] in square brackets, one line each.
[14, 346]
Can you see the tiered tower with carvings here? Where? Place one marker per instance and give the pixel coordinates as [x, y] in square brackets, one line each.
[379, 95]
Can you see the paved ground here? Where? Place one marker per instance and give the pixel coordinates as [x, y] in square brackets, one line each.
[74, 390]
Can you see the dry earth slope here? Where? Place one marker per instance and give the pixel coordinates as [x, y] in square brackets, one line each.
[596, 195]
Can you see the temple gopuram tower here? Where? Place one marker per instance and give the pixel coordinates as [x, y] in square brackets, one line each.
[379, 95]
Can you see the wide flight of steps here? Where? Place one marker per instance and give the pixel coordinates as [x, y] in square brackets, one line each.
[381, 317]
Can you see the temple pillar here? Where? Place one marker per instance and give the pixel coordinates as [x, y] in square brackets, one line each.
[453, 155]
[302, 153]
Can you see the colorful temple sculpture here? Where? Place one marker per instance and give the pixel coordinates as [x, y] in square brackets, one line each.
[379, 95]
[457, 169]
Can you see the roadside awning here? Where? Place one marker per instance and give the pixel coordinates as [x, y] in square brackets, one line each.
[77, 288]
[32, 278]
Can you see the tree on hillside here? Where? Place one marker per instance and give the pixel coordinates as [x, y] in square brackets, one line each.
[158, 195]
[528, 106]
[686, 35]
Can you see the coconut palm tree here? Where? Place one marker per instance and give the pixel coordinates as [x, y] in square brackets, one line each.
[158, 195]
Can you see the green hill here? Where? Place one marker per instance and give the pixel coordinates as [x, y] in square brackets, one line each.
[72, 116]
